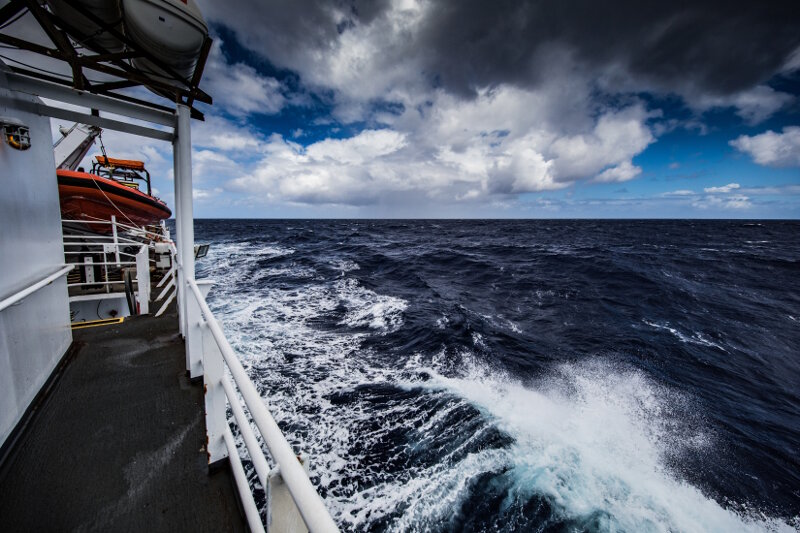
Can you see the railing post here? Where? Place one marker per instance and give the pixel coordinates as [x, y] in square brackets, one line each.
[116, 239]
[143, 279]
[282, 512]
[184, 218]
[180, 288]
[215, 397]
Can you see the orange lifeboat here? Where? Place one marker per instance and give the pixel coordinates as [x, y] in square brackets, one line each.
[112, 188]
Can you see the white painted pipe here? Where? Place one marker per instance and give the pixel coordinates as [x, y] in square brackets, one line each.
[83, 243]
[93, 263]
[250, 509]
[14, 298]
[312, 509]
[250, 440]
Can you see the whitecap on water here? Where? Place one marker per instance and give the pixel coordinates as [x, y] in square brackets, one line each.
[695, 338]
[366, 308]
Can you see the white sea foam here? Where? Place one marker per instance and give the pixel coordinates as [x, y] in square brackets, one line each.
[367, 308]
[344, 265]
[594, 439]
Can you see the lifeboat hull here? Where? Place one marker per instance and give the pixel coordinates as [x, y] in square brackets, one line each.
[89, 198]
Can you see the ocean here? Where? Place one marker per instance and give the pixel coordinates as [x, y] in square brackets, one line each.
[537, 375]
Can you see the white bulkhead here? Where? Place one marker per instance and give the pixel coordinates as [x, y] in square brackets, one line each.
[35, 330]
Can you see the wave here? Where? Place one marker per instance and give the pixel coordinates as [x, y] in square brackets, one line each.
[595, 441]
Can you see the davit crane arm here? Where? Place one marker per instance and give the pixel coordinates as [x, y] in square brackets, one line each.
[75, 142]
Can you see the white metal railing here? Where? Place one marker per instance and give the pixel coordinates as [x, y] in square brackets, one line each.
[106, 251]
[20, 295]
[220, 391]
[117, 225]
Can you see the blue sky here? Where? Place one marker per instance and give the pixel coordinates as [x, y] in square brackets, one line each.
[416, 108]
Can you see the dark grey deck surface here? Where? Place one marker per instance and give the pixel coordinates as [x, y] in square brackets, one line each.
[119, 443]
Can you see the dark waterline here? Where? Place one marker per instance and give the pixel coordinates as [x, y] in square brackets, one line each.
[671, 346]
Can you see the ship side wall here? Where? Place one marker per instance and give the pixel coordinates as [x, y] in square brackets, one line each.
[34, 333]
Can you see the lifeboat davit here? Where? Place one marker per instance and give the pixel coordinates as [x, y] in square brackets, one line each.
[91, 197]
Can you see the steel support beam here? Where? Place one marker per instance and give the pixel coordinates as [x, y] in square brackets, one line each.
[53, 91]
[180, 280]
[83, 118]
[10, 10]
[184, 218]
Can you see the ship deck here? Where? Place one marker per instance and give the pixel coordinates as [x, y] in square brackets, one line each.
[118, 444]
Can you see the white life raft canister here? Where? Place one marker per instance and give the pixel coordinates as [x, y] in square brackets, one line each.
[171, 30]
[105, 10]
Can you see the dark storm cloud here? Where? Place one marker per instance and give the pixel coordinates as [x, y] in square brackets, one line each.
[716, 47]
[692, 48]
[299, 24]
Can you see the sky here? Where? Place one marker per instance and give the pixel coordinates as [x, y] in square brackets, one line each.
[462, 108]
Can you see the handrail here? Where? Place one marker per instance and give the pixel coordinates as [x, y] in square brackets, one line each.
[250, 509]
[248, 435]
[315, 515]
[14, 298]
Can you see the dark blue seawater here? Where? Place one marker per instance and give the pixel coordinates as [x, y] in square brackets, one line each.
[526, 375]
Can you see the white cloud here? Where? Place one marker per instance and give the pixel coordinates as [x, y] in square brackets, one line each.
[503, 143]
[366, 146]
[722, 189]
[752, 105]
[623, 172]
[737, 201]
[335, 171]
[760, 103]
[221, 134]
[680, 192]
[238, 88]
[771, 148]
[202, 195]
[793, 62]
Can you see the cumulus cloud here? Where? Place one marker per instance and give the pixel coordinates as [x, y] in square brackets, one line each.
[771, 148]
[502, 143]
[623, 172]
[722, 189]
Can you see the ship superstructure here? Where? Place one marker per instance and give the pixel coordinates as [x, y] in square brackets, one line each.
[102, 49]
